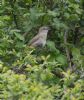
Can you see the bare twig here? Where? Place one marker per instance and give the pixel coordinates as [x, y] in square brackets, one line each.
[66, 49]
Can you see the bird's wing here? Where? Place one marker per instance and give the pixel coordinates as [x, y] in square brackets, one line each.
[37, 43]
[34, 39]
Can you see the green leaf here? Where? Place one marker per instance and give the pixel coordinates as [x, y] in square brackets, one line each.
[19, 36]
[53, 13]
[62, 59]
[51, 45]
[75, 52]
[13, 31]
[19, 44]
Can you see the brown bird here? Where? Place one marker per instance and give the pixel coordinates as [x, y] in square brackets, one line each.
[40, 39]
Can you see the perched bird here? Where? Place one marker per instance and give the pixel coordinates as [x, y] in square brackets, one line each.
[40, 39]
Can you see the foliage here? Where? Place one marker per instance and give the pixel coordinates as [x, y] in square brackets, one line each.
[56, 71]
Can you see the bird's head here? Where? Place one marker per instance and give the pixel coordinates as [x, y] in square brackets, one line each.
[44, 29]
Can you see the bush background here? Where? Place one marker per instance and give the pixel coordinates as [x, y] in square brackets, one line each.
[54, 73]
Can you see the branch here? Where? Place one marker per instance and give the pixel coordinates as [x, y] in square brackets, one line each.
[67, 50]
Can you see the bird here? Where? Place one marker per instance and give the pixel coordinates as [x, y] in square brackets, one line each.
[40, 39]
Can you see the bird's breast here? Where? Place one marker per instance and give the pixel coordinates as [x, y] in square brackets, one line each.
[43, 41]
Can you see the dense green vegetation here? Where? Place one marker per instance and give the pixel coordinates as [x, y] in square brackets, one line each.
[55, 72]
